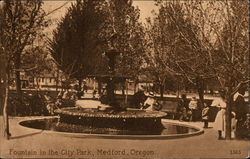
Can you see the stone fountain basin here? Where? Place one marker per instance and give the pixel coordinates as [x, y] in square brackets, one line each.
[131, 119]
[95, 112]
[50, 125]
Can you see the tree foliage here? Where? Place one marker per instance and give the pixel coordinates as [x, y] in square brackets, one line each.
[173, 53]
[218, 35]
[75, 42]
[23, 21]
[86, 31]
[20, 23]
[36, 61]
[122, 20]
[211, 40]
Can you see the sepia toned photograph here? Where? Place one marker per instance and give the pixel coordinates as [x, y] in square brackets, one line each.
[124, 79]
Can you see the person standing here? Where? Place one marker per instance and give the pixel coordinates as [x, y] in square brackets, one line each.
[219, 123]
[205, 116]
[241, 110]
[49, 103]
[193, 106]
[220, 120]
[183, 108]
[233, 124]
[85, 88]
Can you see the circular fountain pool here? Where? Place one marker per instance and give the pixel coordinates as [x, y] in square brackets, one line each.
[129, 120]
[170, 130]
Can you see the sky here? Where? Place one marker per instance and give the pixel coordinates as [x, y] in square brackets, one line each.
[145, 6]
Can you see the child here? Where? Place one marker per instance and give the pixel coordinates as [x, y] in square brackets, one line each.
[233, 124]
[246, 127]
[205, 115]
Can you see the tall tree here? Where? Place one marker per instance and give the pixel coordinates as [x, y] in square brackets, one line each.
[4, 74]
[218, 33]
[122, 20]
[175, 53]
[75, 42]
[231, 56]
[20, 25]
[36, 62]
[23, 20]
[160, 39]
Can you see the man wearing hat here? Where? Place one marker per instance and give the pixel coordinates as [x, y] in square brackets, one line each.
[241, 109]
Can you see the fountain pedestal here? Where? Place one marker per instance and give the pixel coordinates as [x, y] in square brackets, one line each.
[111, 54]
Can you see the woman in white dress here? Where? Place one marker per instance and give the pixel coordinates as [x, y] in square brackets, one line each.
[219, 123]
[220, 120]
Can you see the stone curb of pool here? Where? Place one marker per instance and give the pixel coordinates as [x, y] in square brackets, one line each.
[139, 137]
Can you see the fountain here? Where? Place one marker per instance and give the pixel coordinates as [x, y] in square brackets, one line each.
[110, 114]
[109, 117]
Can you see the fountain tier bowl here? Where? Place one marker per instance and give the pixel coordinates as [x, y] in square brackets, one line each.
[131, 119]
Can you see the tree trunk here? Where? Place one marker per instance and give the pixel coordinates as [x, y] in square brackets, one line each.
[178, 89]
[5, 110]
[228, 118]
[123, 89]
[5, 103]
[18, 81]
[126, 97]
[57, 79]
[4, 84]
[201, 96]
[17, 73]
[229, 100]
[135, 84]
[161, 90]
[200, 89]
